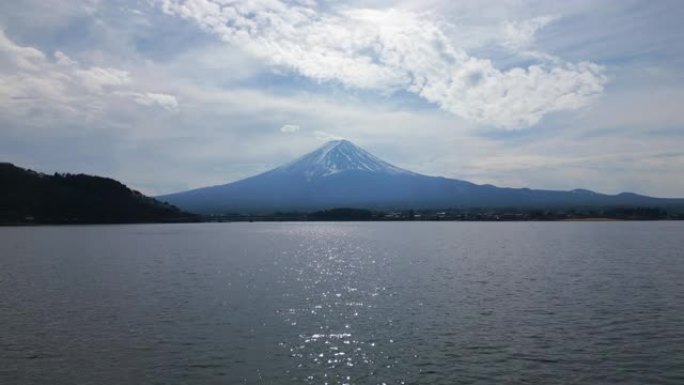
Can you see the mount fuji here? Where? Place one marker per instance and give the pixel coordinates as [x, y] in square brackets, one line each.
[341, 174]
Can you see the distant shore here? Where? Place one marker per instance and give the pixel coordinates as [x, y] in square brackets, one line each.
[460, 215]
[272, 220]
[364, 215]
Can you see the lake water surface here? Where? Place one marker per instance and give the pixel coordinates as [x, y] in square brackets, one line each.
[343, 303]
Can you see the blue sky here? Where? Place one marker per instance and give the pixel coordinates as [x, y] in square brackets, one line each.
[166, 95]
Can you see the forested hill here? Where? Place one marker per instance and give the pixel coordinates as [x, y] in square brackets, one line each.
[27, 196]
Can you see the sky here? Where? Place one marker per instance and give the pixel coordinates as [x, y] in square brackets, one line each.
[167, 95]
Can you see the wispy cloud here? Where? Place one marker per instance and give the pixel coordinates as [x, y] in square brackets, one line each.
[31, 78]
[390, 50]
[520, 34]
[165, 101]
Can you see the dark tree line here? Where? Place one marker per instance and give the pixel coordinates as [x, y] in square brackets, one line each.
[29, 196]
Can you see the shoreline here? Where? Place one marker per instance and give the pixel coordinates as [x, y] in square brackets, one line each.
[263, 220]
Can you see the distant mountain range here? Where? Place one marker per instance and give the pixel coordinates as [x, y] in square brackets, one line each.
[340, 174]
[30, 197]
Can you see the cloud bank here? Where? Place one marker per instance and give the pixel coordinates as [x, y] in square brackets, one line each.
[395, 50]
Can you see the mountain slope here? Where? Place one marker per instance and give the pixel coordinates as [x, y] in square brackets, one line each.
[340, 174]
[29, 196]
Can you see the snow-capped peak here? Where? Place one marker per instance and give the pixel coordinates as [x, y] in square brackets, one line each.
[338, 156]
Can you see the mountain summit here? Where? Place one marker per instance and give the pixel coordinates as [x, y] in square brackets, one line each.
[340, 174]
[335, 157]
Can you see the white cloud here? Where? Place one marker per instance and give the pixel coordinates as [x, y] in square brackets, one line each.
[520, 34]
[97, 79]
[165, 101]
[62, 59]
[322, 135]
[30, 79]
[394, 50]
[23, 58]
[289, 128]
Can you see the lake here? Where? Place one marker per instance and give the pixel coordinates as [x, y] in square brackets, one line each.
[343, 303]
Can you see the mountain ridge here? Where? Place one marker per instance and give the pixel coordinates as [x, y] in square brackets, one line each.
[341, 174]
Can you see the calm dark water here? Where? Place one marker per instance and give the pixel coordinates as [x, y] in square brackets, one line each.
[343, 303]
